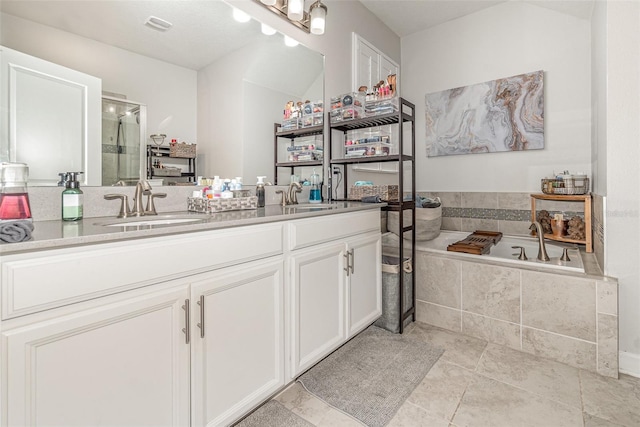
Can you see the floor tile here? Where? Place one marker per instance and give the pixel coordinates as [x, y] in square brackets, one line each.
[593, 421]
[459, 349]
[613, 400]
[410, 415]
[491, 403]
[544, 377]
[302, 403]
[441, 390]
[335, 418]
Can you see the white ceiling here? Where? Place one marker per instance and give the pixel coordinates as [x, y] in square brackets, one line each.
[406, 17]
[203, 30]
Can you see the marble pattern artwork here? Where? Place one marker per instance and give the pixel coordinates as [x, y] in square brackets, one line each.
[500, 115]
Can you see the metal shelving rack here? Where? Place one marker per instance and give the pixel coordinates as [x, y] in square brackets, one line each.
[164, 152]
[405, 113]
[292, 135]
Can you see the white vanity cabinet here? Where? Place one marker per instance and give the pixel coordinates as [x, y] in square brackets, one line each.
[120, 362]
[237, 339]
[335, 283]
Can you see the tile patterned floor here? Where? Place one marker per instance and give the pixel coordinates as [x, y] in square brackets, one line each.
[476, 383]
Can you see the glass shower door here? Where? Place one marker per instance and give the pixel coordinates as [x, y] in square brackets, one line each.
[123, 141]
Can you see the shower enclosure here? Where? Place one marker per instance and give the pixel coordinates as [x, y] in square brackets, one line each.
[124, 126]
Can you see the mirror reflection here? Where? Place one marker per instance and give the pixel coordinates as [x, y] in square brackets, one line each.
[207, 80]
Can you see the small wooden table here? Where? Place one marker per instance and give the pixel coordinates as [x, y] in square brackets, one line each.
[584, 198]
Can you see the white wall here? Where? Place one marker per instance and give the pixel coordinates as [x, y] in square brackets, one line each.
[168, 91]
[620, 142]
[505, 40]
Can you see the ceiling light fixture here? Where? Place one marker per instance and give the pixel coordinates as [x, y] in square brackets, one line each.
[293, 11]
[158, 23]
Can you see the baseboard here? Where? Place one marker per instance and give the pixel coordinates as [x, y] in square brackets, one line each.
[630, 364]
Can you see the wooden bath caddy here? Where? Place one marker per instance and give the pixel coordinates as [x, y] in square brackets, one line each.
[477, 243]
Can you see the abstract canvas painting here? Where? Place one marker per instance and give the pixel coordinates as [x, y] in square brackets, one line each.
[500, 115]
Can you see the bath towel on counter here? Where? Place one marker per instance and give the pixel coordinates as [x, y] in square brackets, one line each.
[15, 231]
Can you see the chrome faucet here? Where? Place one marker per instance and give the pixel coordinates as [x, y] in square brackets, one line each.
[294, 188]
[542, 250]
[142, 188]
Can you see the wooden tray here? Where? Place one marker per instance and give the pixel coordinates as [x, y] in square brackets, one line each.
[477, 243]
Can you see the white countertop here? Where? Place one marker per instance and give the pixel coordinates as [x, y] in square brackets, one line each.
[60, 234]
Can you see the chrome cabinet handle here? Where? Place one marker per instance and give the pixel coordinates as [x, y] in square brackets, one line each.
[186, 329]
[201, 324]
[347, 268]
[352, 255]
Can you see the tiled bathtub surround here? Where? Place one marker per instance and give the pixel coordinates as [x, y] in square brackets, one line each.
[569, 318]
[509, 213]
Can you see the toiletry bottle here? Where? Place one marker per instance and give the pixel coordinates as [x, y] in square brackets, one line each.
[14, 200]
[314, 193]
[260, 191]
[72, 198]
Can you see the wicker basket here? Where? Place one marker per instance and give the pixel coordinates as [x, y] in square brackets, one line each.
[573, 185]
[388, 193]
[183, 150]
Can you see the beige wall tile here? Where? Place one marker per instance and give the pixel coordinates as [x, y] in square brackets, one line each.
[520, 201]
[437, 315]
[552, 205]
[480, 200]
[449, 199]
[514, 228]
[574, 352]
[492, 330]
[491, 403]
[438, 280]
[561, 304]
[607, 296]
[544, 377]
[608, 345]
[473, 224]
[492, 291]
[453, 224]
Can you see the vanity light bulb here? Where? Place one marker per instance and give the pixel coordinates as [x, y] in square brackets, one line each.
[267, 30]
[318, 15]
[269, 2]
[290, 42]
[295, 10]
[240, 16]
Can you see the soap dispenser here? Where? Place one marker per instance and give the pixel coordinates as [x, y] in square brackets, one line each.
[314, 194]
[72, 198]
[260, 191]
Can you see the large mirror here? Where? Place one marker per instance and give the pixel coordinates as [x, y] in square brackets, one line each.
[208, 79]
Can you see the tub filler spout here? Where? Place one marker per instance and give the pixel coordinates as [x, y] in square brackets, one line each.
[542, 250]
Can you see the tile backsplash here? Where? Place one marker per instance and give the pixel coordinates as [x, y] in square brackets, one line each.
[509, 213]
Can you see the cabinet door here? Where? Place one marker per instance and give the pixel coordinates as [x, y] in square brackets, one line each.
[364, 285]
[121, 364]
[318, 301]
[238, 340]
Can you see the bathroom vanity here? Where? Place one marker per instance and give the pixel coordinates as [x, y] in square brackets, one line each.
[187, 324]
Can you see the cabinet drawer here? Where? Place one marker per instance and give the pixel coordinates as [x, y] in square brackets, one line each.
[39, 281]
[321, 229]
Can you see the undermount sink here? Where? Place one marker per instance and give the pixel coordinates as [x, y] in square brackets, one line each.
[151, 221]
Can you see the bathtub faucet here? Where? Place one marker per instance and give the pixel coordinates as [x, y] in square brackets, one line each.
[542, 250]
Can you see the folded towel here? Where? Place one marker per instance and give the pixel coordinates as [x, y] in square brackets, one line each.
[15, 231]
[371, 199]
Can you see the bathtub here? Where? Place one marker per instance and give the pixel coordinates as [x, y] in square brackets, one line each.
[502, 252]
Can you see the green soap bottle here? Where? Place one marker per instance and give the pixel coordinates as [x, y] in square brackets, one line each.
[72, 198]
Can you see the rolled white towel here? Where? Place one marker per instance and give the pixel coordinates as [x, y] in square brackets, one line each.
[15, 231]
